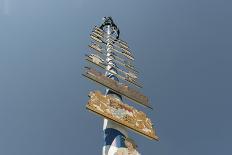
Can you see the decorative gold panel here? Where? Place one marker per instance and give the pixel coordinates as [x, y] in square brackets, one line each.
[112, 108]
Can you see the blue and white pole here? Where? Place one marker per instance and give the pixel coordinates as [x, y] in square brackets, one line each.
[114, 133]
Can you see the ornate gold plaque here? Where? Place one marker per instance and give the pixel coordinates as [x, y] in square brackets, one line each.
[112, 108]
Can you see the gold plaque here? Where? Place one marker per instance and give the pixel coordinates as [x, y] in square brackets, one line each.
[112, 108]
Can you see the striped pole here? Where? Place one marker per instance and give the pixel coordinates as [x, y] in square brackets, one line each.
[114, 134]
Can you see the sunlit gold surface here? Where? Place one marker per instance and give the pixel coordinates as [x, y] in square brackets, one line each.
[112, 108]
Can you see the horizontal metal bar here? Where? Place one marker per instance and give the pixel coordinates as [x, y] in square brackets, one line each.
[103, 66]
[102, 32]
[124, 53]
[119, 60]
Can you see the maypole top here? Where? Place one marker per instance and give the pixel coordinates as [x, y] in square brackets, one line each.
[109, 21]
[113, 54]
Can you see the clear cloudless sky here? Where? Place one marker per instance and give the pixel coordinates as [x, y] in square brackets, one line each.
[183, 52]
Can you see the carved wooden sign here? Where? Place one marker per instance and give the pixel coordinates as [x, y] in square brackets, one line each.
[119, 88]
[112, 108]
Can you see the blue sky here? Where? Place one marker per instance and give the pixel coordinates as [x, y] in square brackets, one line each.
[182, 49]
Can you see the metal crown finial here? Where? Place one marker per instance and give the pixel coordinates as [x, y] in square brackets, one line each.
[109, 21]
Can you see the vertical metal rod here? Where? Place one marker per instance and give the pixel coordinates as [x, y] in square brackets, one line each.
[114, 133]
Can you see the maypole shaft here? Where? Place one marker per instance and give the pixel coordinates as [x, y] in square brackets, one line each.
[114, 133]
